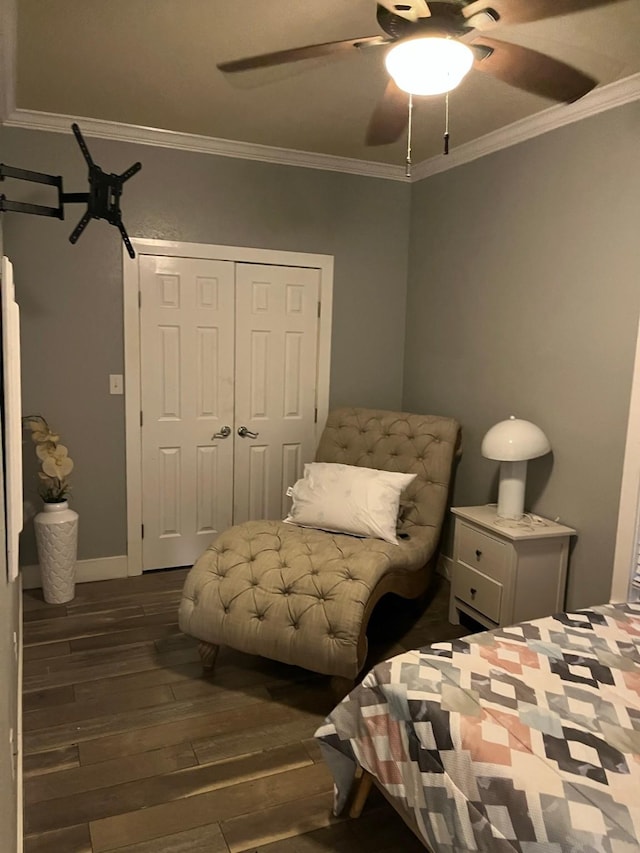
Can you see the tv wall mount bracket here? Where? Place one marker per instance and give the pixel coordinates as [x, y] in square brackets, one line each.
[102, 200]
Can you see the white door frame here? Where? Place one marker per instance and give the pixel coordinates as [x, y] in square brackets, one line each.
[628, 511]
[132, 376]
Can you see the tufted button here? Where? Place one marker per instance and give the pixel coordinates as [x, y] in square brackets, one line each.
[195, 597]
[286, 591]
[321, 598]
[295, 625]
[331, 635]
[226, 608]
[260, 617]
[314, 572]
[255, 582]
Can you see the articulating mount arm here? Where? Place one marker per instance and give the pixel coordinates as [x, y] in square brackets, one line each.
[102, 200]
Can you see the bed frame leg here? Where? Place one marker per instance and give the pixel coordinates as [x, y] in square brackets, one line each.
[363, 788]
[208, 654]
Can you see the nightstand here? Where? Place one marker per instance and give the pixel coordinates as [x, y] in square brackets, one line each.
[506, 571]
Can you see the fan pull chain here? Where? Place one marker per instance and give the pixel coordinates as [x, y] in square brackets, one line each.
[408, 168]
[446, 123]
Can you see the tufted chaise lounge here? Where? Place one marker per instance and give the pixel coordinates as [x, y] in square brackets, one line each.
[304, 596]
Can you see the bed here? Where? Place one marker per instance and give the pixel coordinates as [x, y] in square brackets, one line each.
[524, 738]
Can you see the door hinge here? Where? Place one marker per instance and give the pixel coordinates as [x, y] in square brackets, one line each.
[141, 419]
[139, 299]
[315, 415]
[319, 307]
[142, 531]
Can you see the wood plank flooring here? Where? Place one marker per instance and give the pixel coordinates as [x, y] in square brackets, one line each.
[127, 747]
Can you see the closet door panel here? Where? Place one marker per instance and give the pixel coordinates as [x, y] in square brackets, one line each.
[187, 354]
[276, 376]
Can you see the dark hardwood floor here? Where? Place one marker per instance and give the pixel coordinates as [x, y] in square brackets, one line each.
[128, 748]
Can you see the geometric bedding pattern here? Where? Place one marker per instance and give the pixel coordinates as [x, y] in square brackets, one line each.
[524, 738]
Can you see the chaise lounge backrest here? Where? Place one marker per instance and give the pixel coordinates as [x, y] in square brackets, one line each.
[425, 445]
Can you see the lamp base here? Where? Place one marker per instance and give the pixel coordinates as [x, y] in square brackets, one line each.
[513, 477]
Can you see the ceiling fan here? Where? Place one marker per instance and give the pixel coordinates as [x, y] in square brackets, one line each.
[460, 25]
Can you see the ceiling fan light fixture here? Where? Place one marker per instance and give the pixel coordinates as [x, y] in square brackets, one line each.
[430, 65]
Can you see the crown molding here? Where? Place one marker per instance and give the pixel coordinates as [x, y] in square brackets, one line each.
[599, 100]
[56, 123]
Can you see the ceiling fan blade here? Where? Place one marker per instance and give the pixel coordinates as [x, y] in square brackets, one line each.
[312, 51]
[390, 116]
[522, 11]
[532, 71]
[410, 9]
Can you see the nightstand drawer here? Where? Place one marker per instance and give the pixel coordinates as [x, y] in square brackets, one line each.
[482, 552]
[477, 590]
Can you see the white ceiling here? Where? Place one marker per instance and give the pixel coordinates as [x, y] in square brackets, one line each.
[152, 63]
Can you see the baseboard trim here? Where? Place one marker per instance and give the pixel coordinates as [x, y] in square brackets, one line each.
[99, 569]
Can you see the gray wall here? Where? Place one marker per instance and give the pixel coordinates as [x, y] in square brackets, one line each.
[9, 612]
[71, 296]
[523, 298]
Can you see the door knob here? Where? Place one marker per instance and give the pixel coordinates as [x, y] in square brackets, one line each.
[243, 432]
[224, 433]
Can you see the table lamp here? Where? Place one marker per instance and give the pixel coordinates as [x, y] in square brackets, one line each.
[513, 442]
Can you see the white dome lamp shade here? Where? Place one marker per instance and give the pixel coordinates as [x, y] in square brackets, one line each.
[513, 442]
[429, 65]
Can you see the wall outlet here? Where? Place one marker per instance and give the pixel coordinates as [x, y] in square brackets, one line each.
[116, 383]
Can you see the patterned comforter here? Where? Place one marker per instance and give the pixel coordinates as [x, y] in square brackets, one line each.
[524, 738]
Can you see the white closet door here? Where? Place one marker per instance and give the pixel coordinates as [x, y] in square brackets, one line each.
[187, 395]
[276, 376]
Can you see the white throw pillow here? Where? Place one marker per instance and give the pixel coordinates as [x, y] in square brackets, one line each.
[348, 499]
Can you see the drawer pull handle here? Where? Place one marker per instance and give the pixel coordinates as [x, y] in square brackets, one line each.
[478, 553]
[473, 592]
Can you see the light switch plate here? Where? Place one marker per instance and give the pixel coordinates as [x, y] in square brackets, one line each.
[116, 384]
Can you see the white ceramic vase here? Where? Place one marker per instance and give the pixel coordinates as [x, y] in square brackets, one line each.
[57, 540]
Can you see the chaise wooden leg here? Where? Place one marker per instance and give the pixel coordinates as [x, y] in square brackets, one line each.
[363, 788]
[208, 654]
